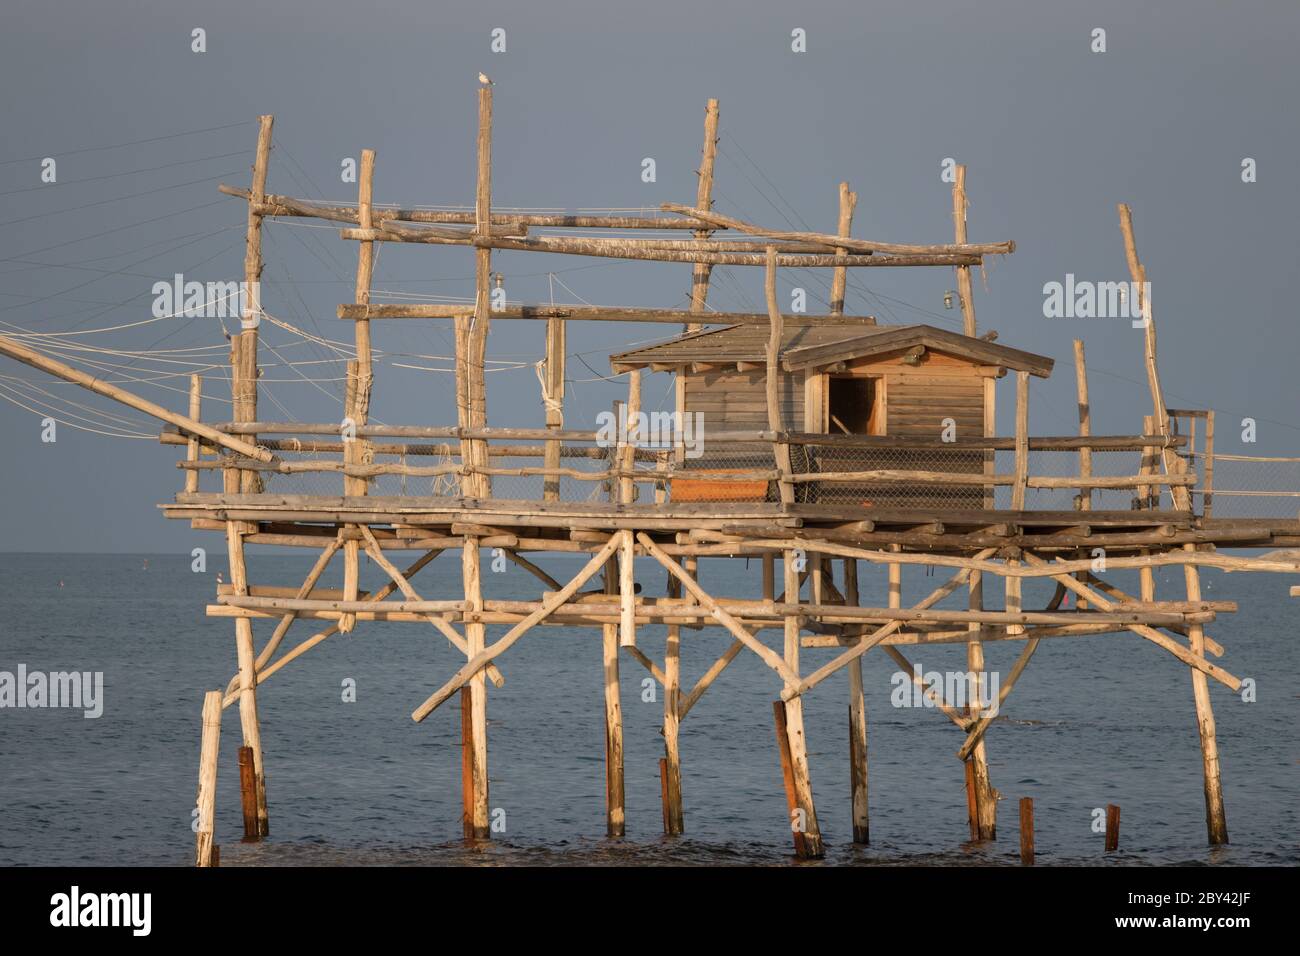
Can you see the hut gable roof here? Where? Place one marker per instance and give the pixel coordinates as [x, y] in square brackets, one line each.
[892, 338]
[732, 344]
[808, 346]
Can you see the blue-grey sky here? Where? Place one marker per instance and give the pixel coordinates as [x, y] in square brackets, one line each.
[1053, 134]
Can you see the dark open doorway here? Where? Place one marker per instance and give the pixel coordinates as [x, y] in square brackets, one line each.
[851, 401]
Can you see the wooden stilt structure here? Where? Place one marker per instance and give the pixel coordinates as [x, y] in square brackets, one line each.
[823, 443]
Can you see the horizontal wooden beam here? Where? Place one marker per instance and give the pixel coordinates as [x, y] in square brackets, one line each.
[868, 246]
[589, 313]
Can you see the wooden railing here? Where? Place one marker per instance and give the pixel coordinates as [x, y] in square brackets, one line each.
[624, 466]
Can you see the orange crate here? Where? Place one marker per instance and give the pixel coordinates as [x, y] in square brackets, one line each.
[693, 489]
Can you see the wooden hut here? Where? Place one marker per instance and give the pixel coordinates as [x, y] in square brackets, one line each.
[913, 382]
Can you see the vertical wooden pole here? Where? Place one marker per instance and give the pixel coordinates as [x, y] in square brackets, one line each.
[247, 671]
[474, 639]
[192, 446]
[627, 590]
[1022, 442]
[245, 408]
[1013, 601]
[773, 380]
[672, 765]
[857, 722]
[1180, 495]
[467, 762]
[964, 288]
[1084, 500]
[627, 461]
[248, 793]
[1207, 498]
[615, 815]
[553, 400]
[477, 388]
[769, 576]
[803, 814]
[1112, 826]
[360, 378]
[840, 276]
[1027, 831]
[985, 797]
[1216, 821]
[704, 201]
[1085, 422]
[204, 850]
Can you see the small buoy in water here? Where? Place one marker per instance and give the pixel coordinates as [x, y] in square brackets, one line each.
[146, 565]
[219, 577]
[60, 583]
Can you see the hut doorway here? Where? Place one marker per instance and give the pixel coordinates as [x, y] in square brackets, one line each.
[853, 406]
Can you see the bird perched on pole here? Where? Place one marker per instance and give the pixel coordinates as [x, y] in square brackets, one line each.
[483, 78]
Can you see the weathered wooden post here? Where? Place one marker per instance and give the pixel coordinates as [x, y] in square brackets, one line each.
[193, 450]
[672, 765]
[553, 402]
[978, 785]
[790, 736]
[1216, 821]
[245, 381]
[475, 633]
[204, 848]
[1027, 831]
[615, 814]
[360, 380]
[248, 793]
[964, 289]
[247, 671]
[1112, 827]
[704, 200]
[840, 275]
[857, 719]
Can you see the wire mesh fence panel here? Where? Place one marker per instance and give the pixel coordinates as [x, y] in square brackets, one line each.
[1247, 487]
[895, 494]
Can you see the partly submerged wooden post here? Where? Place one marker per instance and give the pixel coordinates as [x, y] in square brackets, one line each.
[704, 200]
[1112, 827]
[803, 815]
[979, 788]
[1216, 822]
[248, 793]
[475, 635]
[247, 671]
[204, 848]
[858, 719]
[615, 813]
[467, 762]
[672, 765]
[1027, 831]
[965, 292]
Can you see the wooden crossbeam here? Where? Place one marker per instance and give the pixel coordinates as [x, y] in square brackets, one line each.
[765, 653]
[1143, 630]
[303, 647]
[878, 635]
[500, 646]
[443, 627]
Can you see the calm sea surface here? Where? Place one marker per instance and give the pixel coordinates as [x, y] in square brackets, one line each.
[1093, 721]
